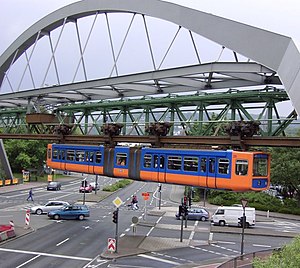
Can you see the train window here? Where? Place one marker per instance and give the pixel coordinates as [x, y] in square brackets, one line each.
[223, 166]
[174, 162]
[55, 154]
[203, 165]
[147, 160]
[162, 161]
[70, 155]
[79, 155]
[91, 156]
[190, 164]
[49, 154]
[61, 155]
[241, 167]
[99, 157]
[260, 167]
[121, 159]
[211, 165]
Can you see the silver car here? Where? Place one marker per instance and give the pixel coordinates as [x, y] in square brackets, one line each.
[50, 205]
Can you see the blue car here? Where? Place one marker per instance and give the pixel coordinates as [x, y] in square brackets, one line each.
[70, 212]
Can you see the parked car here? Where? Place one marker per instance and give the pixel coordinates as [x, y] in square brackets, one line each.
[196, 214]
[53, 186]
[93, 185]
[85, 187]
[70, 212]
[50, 205]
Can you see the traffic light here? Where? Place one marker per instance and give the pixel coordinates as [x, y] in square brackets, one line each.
[180, 210]
[185, 200]
[185, 210]
[242, 221]
[115, 216]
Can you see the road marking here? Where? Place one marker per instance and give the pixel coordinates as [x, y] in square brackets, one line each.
[45, 254]
[158, 259]
[58, 244]
[32, 259]
[263, 246]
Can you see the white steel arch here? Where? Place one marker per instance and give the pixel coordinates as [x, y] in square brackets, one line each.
[274, 53]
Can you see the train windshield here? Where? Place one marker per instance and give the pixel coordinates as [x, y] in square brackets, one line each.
[260, 165]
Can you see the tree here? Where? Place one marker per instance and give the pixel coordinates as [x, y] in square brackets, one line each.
[285, 170]
[25, 154]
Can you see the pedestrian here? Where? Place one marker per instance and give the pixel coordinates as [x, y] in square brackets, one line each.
[30, 195]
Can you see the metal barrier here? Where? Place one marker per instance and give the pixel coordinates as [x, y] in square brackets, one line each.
[246, 260]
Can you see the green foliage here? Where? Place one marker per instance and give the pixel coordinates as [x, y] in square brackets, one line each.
[260, 201]
[26, 154]
[116, 186]
[288, 257]
[285, 169]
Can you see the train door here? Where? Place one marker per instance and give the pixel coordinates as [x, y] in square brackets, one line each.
[90, 158]
[159, 165]
[62, 159]
[211, 172]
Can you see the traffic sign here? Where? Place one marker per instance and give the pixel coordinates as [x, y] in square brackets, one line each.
[135, 220]
[118, 202]
[111, 246]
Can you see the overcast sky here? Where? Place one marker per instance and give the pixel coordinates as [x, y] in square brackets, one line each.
[280, 16]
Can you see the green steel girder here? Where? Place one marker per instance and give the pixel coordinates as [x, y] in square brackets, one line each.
[208, 110]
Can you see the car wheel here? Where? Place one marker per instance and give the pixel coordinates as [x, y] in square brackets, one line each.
[81, 217]
[39, 211]
[202, 218]
[222, 223]
[56, 217]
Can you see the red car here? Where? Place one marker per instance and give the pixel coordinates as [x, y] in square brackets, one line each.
[85, 187]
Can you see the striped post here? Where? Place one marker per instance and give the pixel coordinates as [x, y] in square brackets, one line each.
[27, 218]
[12, 225]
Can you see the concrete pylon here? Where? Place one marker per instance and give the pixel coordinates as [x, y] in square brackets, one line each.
[4, 162]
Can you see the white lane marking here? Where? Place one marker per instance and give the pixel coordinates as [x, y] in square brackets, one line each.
[32, 259]
[45, 254]
[152, 228]
[226, 242]
[158, 259]
[58, 244]
[150, 231]
[121, 235]
[263, 246]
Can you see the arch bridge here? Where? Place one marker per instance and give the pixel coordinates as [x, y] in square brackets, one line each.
[137, 62]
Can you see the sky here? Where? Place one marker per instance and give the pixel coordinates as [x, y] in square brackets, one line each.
[280, 16]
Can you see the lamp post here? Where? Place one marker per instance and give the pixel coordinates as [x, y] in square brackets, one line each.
[244, 204]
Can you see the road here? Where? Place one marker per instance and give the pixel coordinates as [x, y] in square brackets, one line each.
[80, 243]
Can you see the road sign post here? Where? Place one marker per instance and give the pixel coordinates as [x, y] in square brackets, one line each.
[117, 202]
[244, 204]
[145, 195]
[111, 245]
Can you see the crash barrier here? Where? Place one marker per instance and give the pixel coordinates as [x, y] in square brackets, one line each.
[6, 232]
[246, 260]
[4, 182]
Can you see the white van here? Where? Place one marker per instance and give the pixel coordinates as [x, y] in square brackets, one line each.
[230, 216]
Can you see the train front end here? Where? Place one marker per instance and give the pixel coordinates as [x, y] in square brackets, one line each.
[261, 171]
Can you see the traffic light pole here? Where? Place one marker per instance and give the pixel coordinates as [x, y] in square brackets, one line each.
[243, 232]
[116, 235]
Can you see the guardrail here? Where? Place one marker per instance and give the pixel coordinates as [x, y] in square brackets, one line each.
[246, 260]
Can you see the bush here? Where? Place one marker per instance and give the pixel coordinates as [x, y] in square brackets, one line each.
[287, 257]
[116, 186]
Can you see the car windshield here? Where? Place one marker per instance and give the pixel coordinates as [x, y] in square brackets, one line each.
[52, 183]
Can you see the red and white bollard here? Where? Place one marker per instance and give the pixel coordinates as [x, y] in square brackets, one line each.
[27, 218]
[12, 225]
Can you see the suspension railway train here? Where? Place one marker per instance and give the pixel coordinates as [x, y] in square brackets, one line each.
[214, 169]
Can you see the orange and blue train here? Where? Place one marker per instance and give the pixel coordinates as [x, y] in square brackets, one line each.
[214, 169]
